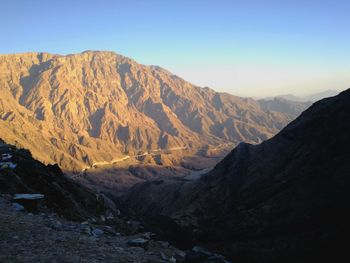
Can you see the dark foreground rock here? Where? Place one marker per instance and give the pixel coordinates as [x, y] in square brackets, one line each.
[285, 200]
[56, 191]
[46, 217]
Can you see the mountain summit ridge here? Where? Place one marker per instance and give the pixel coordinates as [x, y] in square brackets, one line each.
[93, 106]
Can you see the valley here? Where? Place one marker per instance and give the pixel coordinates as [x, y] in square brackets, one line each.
[174, 131]
[147, 157]
[119, 175]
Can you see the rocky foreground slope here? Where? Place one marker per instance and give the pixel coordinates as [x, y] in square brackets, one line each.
[46, 217]
[284, 200]
[96, 107]
[46, 237]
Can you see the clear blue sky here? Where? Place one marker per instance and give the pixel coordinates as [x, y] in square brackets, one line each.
[246, 47]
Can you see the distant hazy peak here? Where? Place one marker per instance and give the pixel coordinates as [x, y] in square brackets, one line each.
[309, 98]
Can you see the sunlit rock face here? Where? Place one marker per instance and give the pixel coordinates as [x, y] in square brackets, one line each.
[83, 108]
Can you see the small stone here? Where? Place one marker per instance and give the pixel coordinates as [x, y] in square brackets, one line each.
[138, 242]
[147, 235]
[97, 232]
[110, 216]
[163, 256]
[87, 230]
[202, 255]
[164, 244]
[60, 239]
[136, 250]
[180, 256]
[119, 249]
[56, 225]
[172, 260]
[17, 207]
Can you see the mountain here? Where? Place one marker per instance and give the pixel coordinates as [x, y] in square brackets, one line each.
[279, 104]
[309, 98]
[93, 108]
[321, 95]
[284, 200]
[289, 97]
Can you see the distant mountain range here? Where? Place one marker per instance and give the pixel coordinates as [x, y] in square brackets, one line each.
[99, 107]
[284, 200]
[309, 98]
[279, 104]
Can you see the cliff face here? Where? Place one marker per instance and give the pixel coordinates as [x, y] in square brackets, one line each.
[79, 109]
[284, 200]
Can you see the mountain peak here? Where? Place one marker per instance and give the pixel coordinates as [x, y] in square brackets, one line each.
[98, 106]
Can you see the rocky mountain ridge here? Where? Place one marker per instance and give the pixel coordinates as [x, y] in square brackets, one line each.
[80, 109]
[284, 200]
[309, 98]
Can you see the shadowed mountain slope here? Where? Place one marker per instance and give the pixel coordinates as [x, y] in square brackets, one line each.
[67, 198]
[79, 109]
[284, 200]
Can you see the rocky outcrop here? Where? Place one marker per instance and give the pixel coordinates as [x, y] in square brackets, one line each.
[284, 200]
[81, 109]
[29, 181]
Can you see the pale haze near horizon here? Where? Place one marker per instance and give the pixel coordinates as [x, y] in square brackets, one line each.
[266, 81]
[247, 48]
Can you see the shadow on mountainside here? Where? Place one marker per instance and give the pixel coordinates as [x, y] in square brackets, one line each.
[284, 200]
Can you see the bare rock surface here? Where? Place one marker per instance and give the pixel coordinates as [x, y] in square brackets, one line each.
[97, 108]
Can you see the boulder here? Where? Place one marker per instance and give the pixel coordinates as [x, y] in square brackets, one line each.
[31, 202]
[138, 242]
[97, 232]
